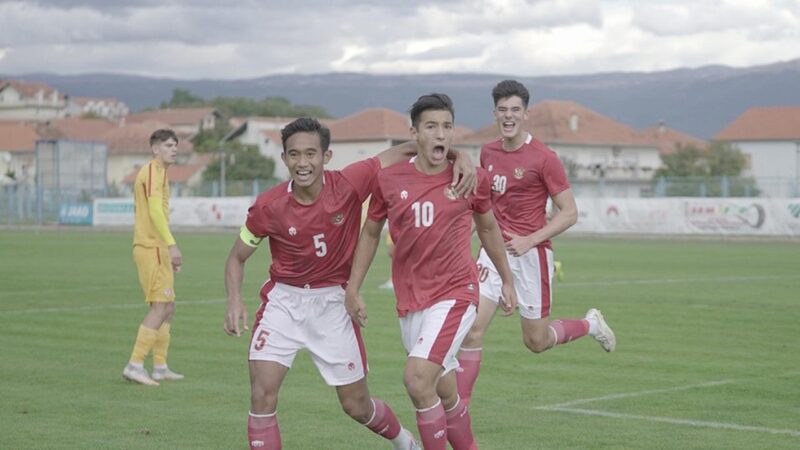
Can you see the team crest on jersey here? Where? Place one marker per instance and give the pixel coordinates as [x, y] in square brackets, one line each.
[519, 172]
[168, 292]
[337, 219]
[403, 194]
[292, 231]
[450, 193]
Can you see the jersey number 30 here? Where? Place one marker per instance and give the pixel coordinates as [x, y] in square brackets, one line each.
[423, 214]
[499, 184]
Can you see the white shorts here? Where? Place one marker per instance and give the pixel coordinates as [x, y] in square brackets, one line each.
[436, 333]
[294, 318]
[533, 276]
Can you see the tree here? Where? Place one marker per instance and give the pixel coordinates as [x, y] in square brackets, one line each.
[242, 106]
[182, 98]
[714, 171]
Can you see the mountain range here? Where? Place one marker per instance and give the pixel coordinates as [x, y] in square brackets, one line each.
[699, 101]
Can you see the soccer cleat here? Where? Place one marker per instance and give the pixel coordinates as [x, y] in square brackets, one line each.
[409, 443]
[559, 266]
[163, 373]
[387, 285]
[138, 375]
[604, 334]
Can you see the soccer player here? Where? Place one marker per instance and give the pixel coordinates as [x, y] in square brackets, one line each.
[312, 222]
[435, 278]
[157, 256]
[525, 173]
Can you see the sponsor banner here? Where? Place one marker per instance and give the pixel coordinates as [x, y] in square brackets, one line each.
[193, 211]
[711, 216]
[75, 214]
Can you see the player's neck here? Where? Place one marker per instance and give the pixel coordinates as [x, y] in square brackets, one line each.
[307, 195]
[163, 163]
[427, 168]
[515, 142]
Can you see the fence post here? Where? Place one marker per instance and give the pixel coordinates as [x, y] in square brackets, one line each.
[725, 186]
[215, 188]
[255, 187]
[661, 187]
[703, 192]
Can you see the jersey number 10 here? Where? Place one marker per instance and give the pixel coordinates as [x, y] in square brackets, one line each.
[423, 214]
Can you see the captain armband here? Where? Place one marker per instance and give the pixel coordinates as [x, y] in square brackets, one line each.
[249, 239]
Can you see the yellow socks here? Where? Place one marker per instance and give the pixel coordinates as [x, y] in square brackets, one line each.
[144, 342]
[161, 346]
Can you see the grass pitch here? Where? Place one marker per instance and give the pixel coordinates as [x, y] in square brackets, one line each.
[707, 358]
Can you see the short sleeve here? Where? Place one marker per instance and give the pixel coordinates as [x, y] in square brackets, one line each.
[378, 208]
[362, 175]
[482, 200]
[553, 175]
[258, 218]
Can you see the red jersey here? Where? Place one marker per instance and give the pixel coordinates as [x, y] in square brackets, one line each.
[522, 181]
[313, 245]
[432, 231]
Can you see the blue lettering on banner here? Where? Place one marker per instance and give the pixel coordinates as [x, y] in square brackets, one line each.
[75, 214]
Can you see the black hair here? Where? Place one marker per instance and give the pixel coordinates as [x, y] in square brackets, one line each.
[510, 88]
[307, 125]
[438, 102]
[162, 135]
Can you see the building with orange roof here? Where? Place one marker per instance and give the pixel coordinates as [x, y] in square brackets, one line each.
[22, 100]
[602, 157]
[770, 139]
[76, 129]
[669, 140]
[185, 121]
[129, 147]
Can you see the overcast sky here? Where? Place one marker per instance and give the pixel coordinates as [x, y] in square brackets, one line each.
[251, 38]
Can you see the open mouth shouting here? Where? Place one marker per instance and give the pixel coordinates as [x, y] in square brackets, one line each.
[439, 152]
[508, 126]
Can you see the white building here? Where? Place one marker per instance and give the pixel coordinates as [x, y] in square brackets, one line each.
[770, 139]
[21, 100]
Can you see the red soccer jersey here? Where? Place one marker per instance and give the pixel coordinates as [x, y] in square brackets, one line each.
[431, 229]
[313, 245]
[522, 181]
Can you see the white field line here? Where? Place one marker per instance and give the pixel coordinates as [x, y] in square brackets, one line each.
[565, 407]
[678, 280]
[102, 307]
[637, 394]
[673, 421]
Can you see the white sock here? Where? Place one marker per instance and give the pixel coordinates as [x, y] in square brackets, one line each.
[592, 326]
[403, 440]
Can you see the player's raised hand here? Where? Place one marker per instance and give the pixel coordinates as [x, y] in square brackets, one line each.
[465, 180]
[508, 299]
[356, 308]
[518, 245]
[236, 312]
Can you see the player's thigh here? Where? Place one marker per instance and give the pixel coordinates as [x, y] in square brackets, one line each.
[486, 312]
[266, 378]
[533, 283]
[436, 333]
[155, 273]
[277, 336]
[334, 341]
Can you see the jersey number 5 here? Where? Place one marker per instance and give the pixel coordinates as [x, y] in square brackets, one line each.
[320, 245]
[423, 214]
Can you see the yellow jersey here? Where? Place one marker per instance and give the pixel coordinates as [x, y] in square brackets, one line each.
[151, 186]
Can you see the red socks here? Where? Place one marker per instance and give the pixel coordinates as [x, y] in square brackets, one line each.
[459, 427]
[383, 421]
[263, 432]
[567, 330]
[432, 426]
[470, 361]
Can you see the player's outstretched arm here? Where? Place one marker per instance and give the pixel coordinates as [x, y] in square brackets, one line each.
[398, 153]
[565, 217]
[492, 241]
[234, 274]
[365, 253]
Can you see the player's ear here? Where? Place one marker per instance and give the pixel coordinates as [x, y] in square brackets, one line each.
[413, 131]
[327, 156]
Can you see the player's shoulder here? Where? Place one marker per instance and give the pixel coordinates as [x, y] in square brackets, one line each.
[274, 194]
[537, 145]
[495, 145]
[403, 167]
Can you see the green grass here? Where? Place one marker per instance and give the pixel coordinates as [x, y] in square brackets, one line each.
[707, 338]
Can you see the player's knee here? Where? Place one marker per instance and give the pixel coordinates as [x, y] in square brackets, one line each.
[357, 408]
[474, 338]
[262, 399]
[416, 387]
[536, 344]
